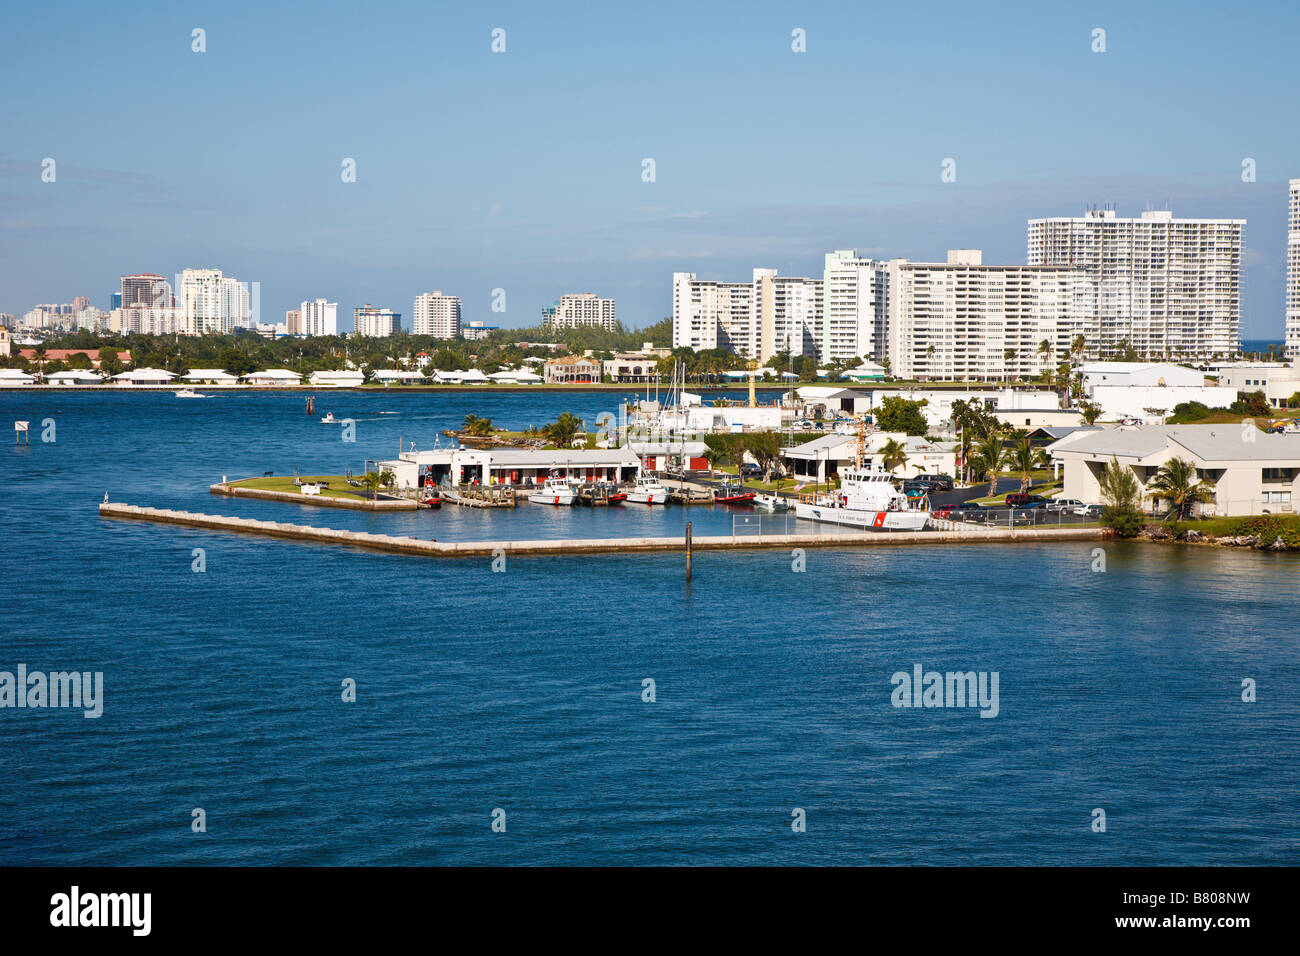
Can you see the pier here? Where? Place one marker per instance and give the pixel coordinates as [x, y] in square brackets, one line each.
[400, 544]
[322, 501]
[479, 496]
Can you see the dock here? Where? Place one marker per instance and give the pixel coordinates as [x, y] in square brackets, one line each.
[594, 496]
[399, 544]
[689, 495]
[479, 496]
[320, 501]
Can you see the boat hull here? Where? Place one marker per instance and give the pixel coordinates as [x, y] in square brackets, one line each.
[553, 498]
[871, 520]
[642, 498]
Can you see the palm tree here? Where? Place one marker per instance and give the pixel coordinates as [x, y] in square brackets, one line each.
[1008, 356]
[893, 453]
[989, 456]
[473, 425]
[563, 430]
[1122, 510]
[1177, 481]
[1078, 347]
[1025, 458]
[1045, 355]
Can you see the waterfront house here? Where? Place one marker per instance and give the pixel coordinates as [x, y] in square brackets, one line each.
[337, 378]
[401, 376]
[144, 376]
[1249, 471]
[14, 376]
[866, 372]
[80, 376]
[273, 376]
[210, 376]
[631, 367]
[572, 369]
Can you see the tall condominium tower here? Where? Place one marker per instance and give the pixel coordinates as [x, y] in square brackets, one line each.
[1164, 286]
[144, 289]
[437, 315]
[708, 314]
[1293, 272]
[583, 308]
[788, 314]
[319, 317]
[967, 321]
[855, 307]
[373, 321]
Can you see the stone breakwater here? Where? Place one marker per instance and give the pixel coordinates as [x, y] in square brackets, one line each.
[400, 544]
[1259, 542]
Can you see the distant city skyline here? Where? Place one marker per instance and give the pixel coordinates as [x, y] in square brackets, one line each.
[514, 170]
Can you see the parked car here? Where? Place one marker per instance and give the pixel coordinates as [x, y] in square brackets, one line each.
[1063, 504]
[937, 482]
[916, 489]
[1088, 511]
[750, 470]
[1020, 500]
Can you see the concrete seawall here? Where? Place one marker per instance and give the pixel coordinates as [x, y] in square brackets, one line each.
[457, 549]
[321, 501]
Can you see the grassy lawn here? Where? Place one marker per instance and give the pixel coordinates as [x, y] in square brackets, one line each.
[339, 487]
[1220, 527]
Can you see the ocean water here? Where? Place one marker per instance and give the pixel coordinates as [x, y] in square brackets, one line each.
[522, 691]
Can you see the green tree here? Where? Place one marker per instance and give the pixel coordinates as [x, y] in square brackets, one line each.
[1177, 481]
[1122, 511]
[893, 454]
[1090, 412]
[1025, 458]
[766, 449]
[897, 414]
[563, 430]
[473, 425]
[989, 456]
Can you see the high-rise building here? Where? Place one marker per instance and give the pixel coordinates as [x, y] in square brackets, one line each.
[708, 314]
[963, 320]
[1163, 286]
[374, 322]
[1293, 272]
[788, 314]
[582, 309]
[319, 317]
[211, 303]
[143, 289]
[150, 320]
[855, 307]
[437, 315]
[293, 322]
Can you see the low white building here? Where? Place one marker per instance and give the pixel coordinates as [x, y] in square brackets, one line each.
[1149, 391]
[938, 401]
[144, 376]
[338, 378]
[401, 376]
[1249, 471]
[79, 376]
[1278, 382]
[512, 466]
[210, 376]
[829, 454]
[273, 376]
[15, 376]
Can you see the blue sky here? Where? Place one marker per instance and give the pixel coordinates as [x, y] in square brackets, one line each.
[522, 170]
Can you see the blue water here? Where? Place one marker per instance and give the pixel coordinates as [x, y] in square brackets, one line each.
[522, 690]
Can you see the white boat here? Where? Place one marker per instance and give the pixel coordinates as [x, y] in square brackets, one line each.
[329, 419]
[866, 498]
[189, 393]
[648, 491]
[554, 491]
[770, 503]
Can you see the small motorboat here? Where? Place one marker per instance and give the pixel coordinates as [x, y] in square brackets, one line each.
[431, 499]
[647, 491]
[729, 494]
[774, 504]
[189, 393]
[554, 491]
[329, 419]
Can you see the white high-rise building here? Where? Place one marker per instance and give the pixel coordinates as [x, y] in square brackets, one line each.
[962, 320]
[708, 314]
[1164, 286]
[855, 307]
[788, 314]
[318, 317]
[1293, 272]
[581, 309]
[375, 322]
[212, 303]
[437, 315]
